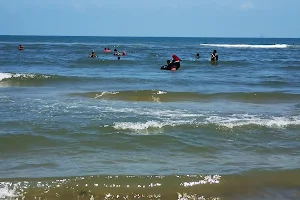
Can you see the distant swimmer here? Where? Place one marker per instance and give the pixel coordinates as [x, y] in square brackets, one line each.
[119, 57]
[214, 56]
[117, 53]
[21, 47]
[93, 55]
[197, 56]
[107, 50]
[124, 53]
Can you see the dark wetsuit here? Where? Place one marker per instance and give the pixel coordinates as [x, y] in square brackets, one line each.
[171, 65]
[216, 57]
[177, 65]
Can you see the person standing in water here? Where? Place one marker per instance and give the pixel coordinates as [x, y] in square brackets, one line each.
[214, 56]
[197, 56]
[106, 50]
[92, 55]
[21, 47]
[176, 61]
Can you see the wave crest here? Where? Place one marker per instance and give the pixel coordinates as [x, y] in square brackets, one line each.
[214, 121]
[11, 76]
[164, 96]
[262, 46]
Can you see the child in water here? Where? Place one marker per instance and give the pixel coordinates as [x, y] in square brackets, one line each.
[172, 65]
[92, 55]
[214, 56]
[167, 66]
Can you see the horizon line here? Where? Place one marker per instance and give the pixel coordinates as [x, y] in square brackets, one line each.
[261, 37]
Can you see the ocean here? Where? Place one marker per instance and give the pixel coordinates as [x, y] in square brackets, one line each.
[74, 127]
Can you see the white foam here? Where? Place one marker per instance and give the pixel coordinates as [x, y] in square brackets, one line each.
[104, 93]
[155, 99]
[161, 118]
[139, 126]
[230, 122]
[244, 120]
[207, 180]
[4, 76]
[161, 92]
[8, 190]
[185, 196]
[268, 46]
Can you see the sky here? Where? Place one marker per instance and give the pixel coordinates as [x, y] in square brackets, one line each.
[167, 18]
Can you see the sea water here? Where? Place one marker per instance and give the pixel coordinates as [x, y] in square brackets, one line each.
[74, 127]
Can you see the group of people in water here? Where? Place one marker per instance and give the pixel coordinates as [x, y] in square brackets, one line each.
[214, 56]
[173, 64]
[107, 50]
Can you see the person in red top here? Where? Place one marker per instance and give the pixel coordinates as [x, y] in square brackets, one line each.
[176, 61]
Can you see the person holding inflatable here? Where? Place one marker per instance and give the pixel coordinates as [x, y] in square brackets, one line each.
[172, 65]
[107, 50]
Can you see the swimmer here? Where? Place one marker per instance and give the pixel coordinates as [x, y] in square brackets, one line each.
[117, 53]
[106, 50]
[21, 47]
[93, 55]
[167, 66]
[214, 56]
[197, 56]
